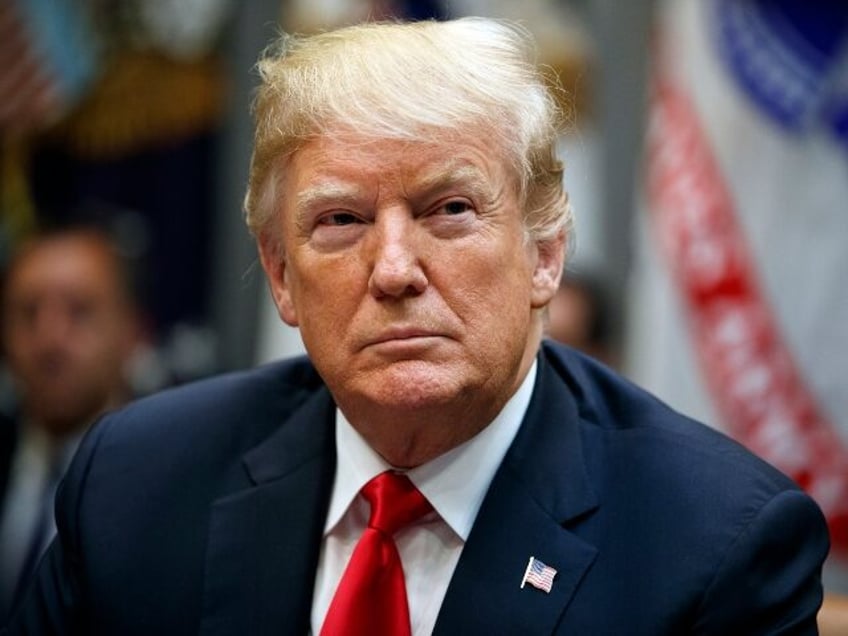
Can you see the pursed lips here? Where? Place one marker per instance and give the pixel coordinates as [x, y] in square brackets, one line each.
[401, 334]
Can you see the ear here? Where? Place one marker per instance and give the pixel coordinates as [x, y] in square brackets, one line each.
[550, 257]
[274, 263]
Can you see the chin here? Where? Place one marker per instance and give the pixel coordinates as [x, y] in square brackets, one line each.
[415, 385]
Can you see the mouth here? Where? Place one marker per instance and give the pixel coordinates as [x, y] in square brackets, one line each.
[403, 334]
[405, 338]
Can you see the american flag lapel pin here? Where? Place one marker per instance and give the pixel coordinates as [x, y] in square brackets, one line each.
[539, 575]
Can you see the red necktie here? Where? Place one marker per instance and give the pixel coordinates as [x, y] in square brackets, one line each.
[371, 597]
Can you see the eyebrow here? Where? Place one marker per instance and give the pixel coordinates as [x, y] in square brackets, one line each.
[325, 192]
[447, 176]
[461, 173]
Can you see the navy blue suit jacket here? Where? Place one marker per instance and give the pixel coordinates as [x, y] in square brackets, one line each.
[201, 510]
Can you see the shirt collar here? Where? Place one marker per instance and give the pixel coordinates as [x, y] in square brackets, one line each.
[455, 483]
[43, 449]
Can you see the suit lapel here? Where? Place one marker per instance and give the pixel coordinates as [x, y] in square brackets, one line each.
[540, 487]
[9, 438]
[264, 541]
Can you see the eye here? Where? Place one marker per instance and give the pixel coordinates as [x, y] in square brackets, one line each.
[336, 229]
[456, 206]
[338, 218]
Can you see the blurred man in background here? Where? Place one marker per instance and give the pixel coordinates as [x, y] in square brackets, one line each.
[577, 316]
[68, 331]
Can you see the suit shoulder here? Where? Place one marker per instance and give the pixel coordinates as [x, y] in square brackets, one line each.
[290, 379]
[243, 405]
[195, 435]
[632, 423]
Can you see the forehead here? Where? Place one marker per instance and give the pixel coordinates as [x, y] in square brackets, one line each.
[336, 164]
[72, 263]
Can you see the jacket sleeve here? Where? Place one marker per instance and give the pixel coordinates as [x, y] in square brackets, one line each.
[54, 603]
[769, 580]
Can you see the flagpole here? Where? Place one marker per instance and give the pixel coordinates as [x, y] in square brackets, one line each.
[527, 572]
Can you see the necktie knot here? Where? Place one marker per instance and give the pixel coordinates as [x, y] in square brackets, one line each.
[395, 502]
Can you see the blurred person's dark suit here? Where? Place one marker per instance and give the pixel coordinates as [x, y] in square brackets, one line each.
[30, 473]
[8, 440]
[8, 437]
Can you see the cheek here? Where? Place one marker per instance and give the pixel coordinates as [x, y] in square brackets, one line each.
[102, 339]
[324, 283]
[327, 296]
[491, 294]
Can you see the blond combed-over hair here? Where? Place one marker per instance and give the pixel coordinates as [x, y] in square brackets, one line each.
[411, 81]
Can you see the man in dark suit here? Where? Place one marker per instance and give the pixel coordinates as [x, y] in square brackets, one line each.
[432, 467]
[68, 331]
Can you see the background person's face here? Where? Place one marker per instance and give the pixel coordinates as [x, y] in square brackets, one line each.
[407, 270]
[66, 331]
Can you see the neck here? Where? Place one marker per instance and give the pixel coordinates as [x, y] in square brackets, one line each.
[423, 436]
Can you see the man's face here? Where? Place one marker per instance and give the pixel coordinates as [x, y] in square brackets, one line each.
[67, 331]
[406, 267]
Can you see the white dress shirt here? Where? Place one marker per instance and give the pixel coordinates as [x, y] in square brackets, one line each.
[455, 483]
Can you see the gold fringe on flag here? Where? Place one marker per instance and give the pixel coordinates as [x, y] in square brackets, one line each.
[143, 100]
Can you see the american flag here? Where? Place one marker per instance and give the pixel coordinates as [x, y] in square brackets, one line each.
[750, 85]
[539, 575]
[47, 60]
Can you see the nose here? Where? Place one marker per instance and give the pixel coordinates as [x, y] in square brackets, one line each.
[396, 270]
[51, 324]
